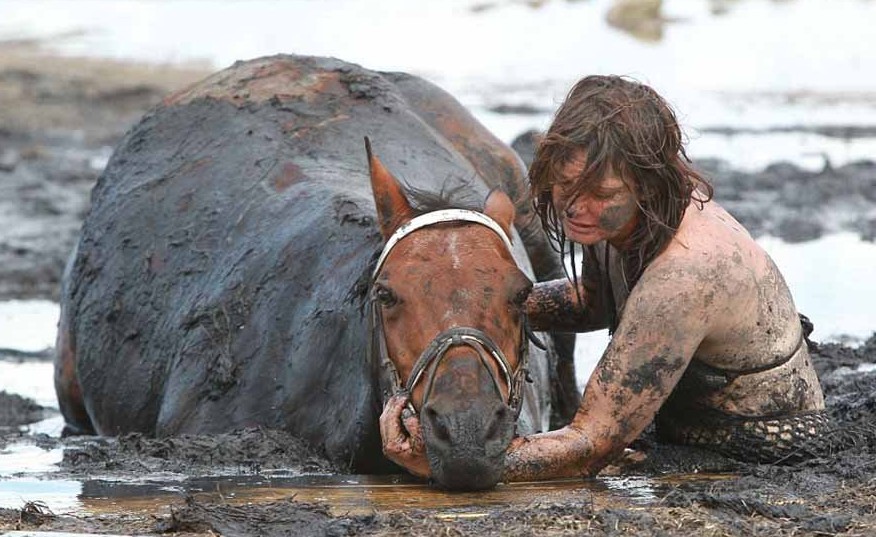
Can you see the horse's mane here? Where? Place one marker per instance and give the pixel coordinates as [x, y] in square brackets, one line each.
[459, 196]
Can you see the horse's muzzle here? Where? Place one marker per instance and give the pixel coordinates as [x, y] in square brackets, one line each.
[466, 446]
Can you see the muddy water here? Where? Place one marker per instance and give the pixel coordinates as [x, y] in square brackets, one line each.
[343, 494]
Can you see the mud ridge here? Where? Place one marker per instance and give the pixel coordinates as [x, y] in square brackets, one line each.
[16, 410]
[247, 451]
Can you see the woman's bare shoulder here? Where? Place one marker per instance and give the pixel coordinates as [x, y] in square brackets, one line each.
[750, 302]
[710, 239]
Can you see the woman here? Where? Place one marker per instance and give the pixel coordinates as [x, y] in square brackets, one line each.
[705, 336]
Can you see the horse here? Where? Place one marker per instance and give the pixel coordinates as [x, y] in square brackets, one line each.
[240, 266]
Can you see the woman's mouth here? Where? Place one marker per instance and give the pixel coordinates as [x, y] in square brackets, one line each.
[579, 226]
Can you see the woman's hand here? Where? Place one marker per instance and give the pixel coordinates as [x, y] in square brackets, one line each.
[402, 439]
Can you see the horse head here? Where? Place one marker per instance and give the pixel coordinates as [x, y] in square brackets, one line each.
[446, 303]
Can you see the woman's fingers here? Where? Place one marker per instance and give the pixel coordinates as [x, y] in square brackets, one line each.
[402, 439]
[391, 430]
[412, 425]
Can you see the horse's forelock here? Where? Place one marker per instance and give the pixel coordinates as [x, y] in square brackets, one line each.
[461, 195]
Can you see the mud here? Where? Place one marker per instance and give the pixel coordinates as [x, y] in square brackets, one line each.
[16, 410]
[248, 451]
[59, 118]
[692, 491]
[54, 140]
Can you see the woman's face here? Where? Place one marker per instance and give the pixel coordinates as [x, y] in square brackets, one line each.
[608, 211]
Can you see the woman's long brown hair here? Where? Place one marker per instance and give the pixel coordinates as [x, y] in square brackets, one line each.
[621, 126]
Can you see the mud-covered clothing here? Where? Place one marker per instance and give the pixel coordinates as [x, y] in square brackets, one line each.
[687, 417]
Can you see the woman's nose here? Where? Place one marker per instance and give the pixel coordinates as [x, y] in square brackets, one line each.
[575, 207]
[570, 211]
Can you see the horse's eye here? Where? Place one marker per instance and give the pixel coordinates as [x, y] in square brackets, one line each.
[385, 296]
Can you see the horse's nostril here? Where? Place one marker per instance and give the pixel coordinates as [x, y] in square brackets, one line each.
[499, 422]
[436, 424]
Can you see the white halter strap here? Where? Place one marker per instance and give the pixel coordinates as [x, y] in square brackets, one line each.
[438, 217]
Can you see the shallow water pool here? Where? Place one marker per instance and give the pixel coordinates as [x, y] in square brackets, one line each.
[343, 494]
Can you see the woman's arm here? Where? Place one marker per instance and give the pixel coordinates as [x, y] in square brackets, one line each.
[666, 317]
[555, 306]
[663, 323]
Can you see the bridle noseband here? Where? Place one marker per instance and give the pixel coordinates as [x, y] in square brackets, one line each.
[429, 360]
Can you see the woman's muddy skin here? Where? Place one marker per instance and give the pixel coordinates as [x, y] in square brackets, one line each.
[723, 306]
[615, 217]
[685, 282]
[558, 306]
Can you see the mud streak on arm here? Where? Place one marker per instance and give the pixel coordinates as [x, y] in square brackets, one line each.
[664, 322]
[554, 306]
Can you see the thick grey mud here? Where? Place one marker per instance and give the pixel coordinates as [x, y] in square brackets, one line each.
[272, 484]
[49, 175]
[59, 119]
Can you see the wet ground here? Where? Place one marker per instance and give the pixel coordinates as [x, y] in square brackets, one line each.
[260, 482]
[58, 121]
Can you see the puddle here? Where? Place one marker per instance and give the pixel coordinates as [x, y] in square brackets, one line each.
[28, 325]
[60, 496]
[18, 459]
[344, 494]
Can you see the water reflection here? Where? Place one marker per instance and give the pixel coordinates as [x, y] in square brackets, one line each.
[60, 496]
[343, 495]
[26, 458]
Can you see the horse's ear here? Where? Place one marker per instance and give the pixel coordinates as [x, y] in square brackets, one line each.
[393, 208]
[500, 208]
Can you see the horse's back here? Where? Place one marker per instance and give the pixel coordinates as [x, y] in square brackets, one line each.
[221, 272]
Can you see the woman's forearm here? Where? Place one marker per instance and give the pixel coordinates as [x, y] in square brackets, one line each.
[556, 306]
[552, 455]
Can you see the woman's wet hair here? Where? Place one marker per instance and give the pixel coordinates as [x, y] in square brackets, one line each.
[624, 127]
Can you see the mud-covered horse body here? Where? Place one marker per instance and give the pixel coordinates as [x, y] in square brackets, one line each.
[222, 274]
